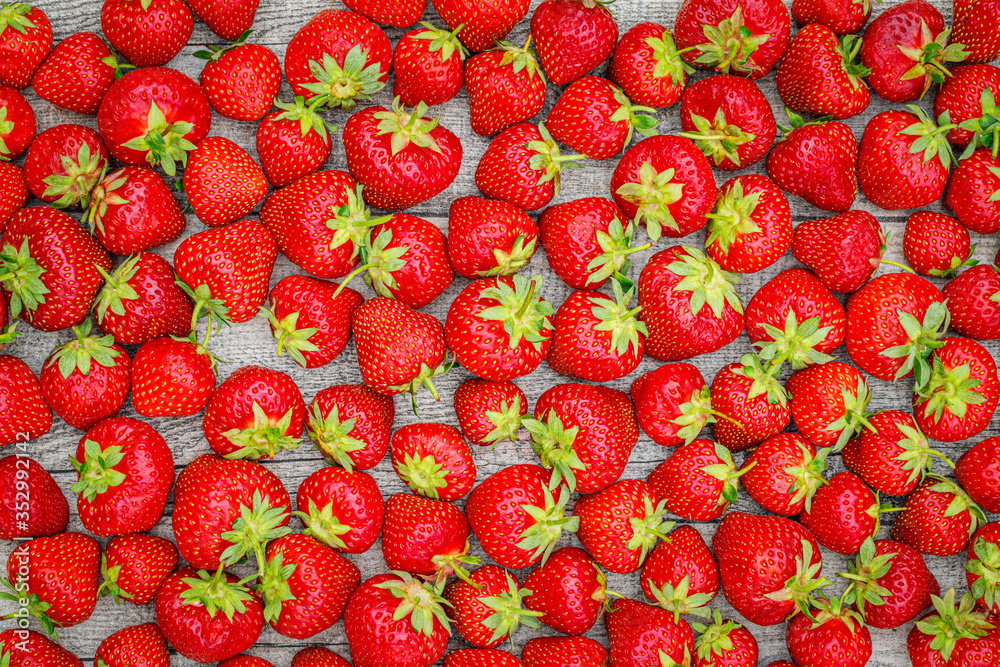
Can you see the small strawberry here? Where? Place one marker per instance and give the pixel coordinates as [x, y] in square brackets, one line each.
[648, 66]
[974, 311]
[844, 17]
[505, 87]
[750, 227]
[228, 19]
[351, 425]
[681, 574]
[64, 164]
[489, 412]
[564, 652]
[749, 403]
[835, 632]
[292, 142]
[135, 644]
[425, 537]
[340, 508]
[977, 469]
[489, 237]
[400, 14]
[567, 592]
[959, 635]
[639, 634]
[486, 21]
[982, 566]
[45, 515]
[843, 514]
[149, 33]
[486, 609]
[698, 480]
[858, 241]
[25, 40]
[171, 378]
[480, 657]
[972, 192]
[828, 403]
[27, 648]
[428, 66]
[819, 75]
[889, 583]
[13, 192]
[975, 31]
[26, 416]
[572, 37]
[672, 403]
[938, 518]
[433, 460]
[134, 567]
[77, 74]
[17, 123]
[818, 162]
[241, 80]
[784, 473]
[724, 643]
[969, 96]
[222, 182]
[936, 245]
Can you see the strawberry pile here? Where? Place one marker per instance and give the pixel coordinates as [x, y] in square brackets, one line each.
[488, 536]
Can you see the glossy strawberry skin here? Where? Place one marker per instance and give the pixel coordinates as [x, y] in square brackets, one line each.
[843, 250]
[949, 426]
[422, 536]
[317, 308]
[909, 582]
[769, 473]
[817, 162]
[14, 192]
[475, 399]
[62, 570]
[814, 78]
[148, 36]
[426, 274]
[73, 77]
[582, 118]
[422, 74]
[468, 611]
[582, 349]
[841, 514]
[633, 67]
[499, 97]
[690, 492]
[352, 499]
[568, 589]
[935, 245]
[479, 228]
[844, 17]
[28, 648]
[664, 396]
[977, 470]
[924, 525]
[800, 292]
[44, 161]
[134, 644]
[229, 18]
[606, 523]
[639, 633]
[878, 458]
[564, 652]
[399, 15]
[970, 189]
[373, 414]
[976, 30]
[285, 153]
[438, 444]
[744, 420]
[505, 172]
[316, 656]
[83, 400]
[22, 51]
[135, 566]
[222, 182]
[961, 96]
[17, 136]
[894, 29]
[161, 308]
[810, 644]
[486, 20]
[818, 397]
[571, 234]
[572, 38]
[750, 251]
[683, 554]
[973, 312]
[26, 416]
[132, 209]
[48, 511]
[258, 73]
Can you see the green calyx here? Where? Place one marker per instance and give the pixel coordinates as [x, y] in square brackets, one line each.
[97, 470]
[985, 129]
[449, 564]
[164, 142]
[549, 523]
[333, 436]
[729, 45]
[253, 529]
[833, 608]
[352, 222]
[424, 378]
[616, 250]
[109, 582]
[116, 289]
[520, 59]
[960, 262]
[8, 334]
[855, 415]
[985, 565]
[442, 40]
[213, 52]
[713, 640]
[668, 59]
[29, 602]
[101, 196]
[264, 438]
[343, 86]
[706, 282]
[953, 622]
[307, 116]
[289, 336]
[421, 601]
[81, 175]
[679, 599]
[6, 127]
[524, 313]
[506, 422]
[932, 138]
[512, 261]
[653, 195]
[953, 389]
[807, 477]
[619, 320]
[922, 340]
[407, 127]
[548, 159]
[863, 574]
[961, 502]
[324, 525]
[733, 217]
[917, 453]
[15, 17]
[205, 305]
[273, 586]
[423, 474]
[215, 593]
[717, 139]
[796, 344]
[648, 528]
[667, 661]
[553, 443]
[800, 586]
[20, 276]
[78, 354]
[726, 472]
[696, 412]
[930, 58]
[629, 113]
[848, 47]
[508, 611]
[382, 260]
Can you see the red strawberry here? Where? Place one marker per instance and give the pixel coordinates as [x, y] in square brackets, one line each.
[972, 192]
[977, 469]
[982, 567]
[489, 412]
[434, 460]
[784, 473]
[936, 245]
[489, 237]
[681, 574]
[938, 518]
[480, 657]
[351, 425]
[48, 511]
[317, 656]
[240, 80]
[136, 644]
[567, 592]
[564, 652]
[672, 403]
[255, 413]
[976, 31]
[399, 14]
[665, 184]
[843, 250]
[339, 56]
[491, 594]
[305, 586]
[648, 66]
[27, 41]
[13, 192]
[134, 567]
[399, 157]
[132, 210]
[64, 164]
[425, 537]
[87, 379]
[969, 96]
[843, 514]
[828, 403]
[572, 37]
[892, 456]
[26, 416]
[222, 182]
[228, 19]
[958, 635]
[835, 633]
[341, 508]
[639, 634]
[76, 75]
[292, 142]
[750, 227]
[17, 123]
[819, 76]
[844, 17]
[149, 33]
[486, 21]
[698, 480]
[890, 583]
[974, 312]
[750, 405]
[140, 301]
[27, 648]
[724, 643]
[818, 162]
[505, 87]
[428, 64]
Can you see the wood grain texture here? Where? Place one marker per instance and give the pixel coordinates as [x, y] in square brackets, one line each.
[251, 343]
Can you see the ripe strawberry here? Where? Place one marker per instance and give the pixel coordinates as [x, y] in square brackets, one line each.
[681, 574]
[969, 96]
[154, 116]
[735, 36]
[938, 518]
[222, 182]
[59, 575]
[784, 473]
[567, 592]
[572, 37]
[393, 620]
[305, 586]
[77, 74]
[843, 250]
[972, 192]
[844, 17]
[749, 403]
[231, 265]
[240, 80]
[818, 162]
[698, 480]
[500, 328]
[292, 141]
[487, 609]
[843, 513]
[132, 210]
[648, 67]
[134, 567]
[975, 31]
[50, 268]
[982, 566]
[768, 564]
[729, 120]
[13, 192]
[340, 508]
[25, 648]
[188, 607]
[428, 65]
[399, 157]
[425, 537]
[672, 403]
[675, 287]
[489, 412]
[8, 332]
[351, 425]
[819, 75]
[564, 652]
[516, 517]
[17, 124]
[974, 313]
[724, 643]
[140, 301]
[480, 657]
[639, 634]
[750, 227]
[48, 511]
[829, 402]
[890, 583]
[228, 19]
[489, 237]
[64, 163]
[961, 396]
[317, 656]
[401, 14]
[87, 379]
[434, 460]
[339, 56]
[977, 469]
[26, 416]
[835, 633]
[149, 33]
[958, 635]
[505, 87]
[486, 21]
[936, 245]
[135, 644]
[25, 44]
[665, 184]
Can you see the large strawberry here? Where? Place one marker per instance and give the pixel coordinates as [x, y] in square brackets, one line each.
[889, 583]
[64, 163]
[25, 40]
[818, 75]
[140, 301]
[572, 37]
[954, 634]
[351, 425]
[698, 480]
[505, 86]
[48, 511]
[843, 250]
[490, 594]
[818, 162]
[938, 518]
[428, 65]
[292, 141]
[149, 33]
[222, 182]
[648, 66]
[240, 80]
[342, 509]
[750, 227]
[489, 412]
[26, 416]
[132, 209]
[835, 632]
[489, 237]
[972, 192]
[134, 567]
[75, 75]
[229, 18]
[640, 634]
[434, 460]
[486, 21]
[976, 470]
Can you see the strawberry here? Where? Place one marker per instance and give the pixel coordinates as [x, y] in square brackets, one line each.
[87, 379]
[768, 564]
[17, 124]
[136, 644]
[231, 265]
[188, 607]
[515, 516]
[564, 652]
[480, 657]
[665, 184]
[724, 643]
[489, 412]
[340, 508]
[393, 620]
[134, 567]
[398, 14]
[305, 586]
[597, 338]
[505, 87]
[292, 142]
[77, 74]
[13, 192]
[487, 609]
[500, 328]
[317, 656]
[149, 33]
[351, 425]
[818, 162]
[681, 574]
[425, 537]
[973, 311]
[904, 158]
[228, 19]
[784, 473]
[729, 120]
[311, 318]
[64, 163]
[672, 403]
[48, 511]
[975, 31]
[750, 227]
[936, 245]
[976, 471]
[843, 250]
[8, 332]
[399, 349]
[961, 395]
[340, 57]
[639, 634]
[27, 648]
[835, 633]
[58, 575]
[486, 21]
[750, 405]
[938, 518]
[50, 268]
[572, 37]
[648, 66]
[844, 17]
[433, 460]
[222, 182]
[828, 403]
[240, 80]
[958, 635]
[972, 192]
[132, 210]
[982, 567]
[567, 592]
[255, 413]
[489, 237]
[819, 75]
[733, 36]
[689, 304]
[25, 45]
[969, 96]
[140, 301]
[428, 65]
[890, 583]
[843, 514]
[698, 480]
[26, 416]
[399, 157]
[154, 116]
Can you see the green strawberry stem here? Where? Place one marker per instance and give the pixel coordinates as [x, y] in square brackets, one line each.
[848, 46]
[508, 611]
[521, 58]
[616, 248]
[508, 263]
[717, 139]
[216, 594]
[343, 86]
[323, 525]
[253, 529]
[378, 262]
[932, 138]
[668, 58]
[116, 289]
[109, 582]
[407, 127]
[15, 16]
[28, 603]
[707, 282]
[289, 336]
[713, 640]
[985, 129]
[101, 196]
[796, 344]
[855, 415]
[953, 389]
[917, 453]
[164, 143]
[265, 438]
[548, 159]
[114, 63]
[216, 52]
[442, 40]
[960, 502]
[985, 564]
[863, 574]
[553, 443]
[78, 354]
[679, 600]
[205, 306]
[727, 473]
[506, 422]
[696, 413]
[423, 474]
[904, 267]
[97, 470]
[729, 45]
[763, 381]
[649, 528]
[800, 586]
[8, 334]
[952, 623]
[307, 116]
[421, 601]
[549, 522]
[653, 195]
[20, 275]
[455, 564]
[82, 175]
[931, 56]
[273, 586]
[351, 224]
[425, 378]
[616, 317]
[521, 309]
[331, 436]
[922, 340]
[808, 477]
[733, 217]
